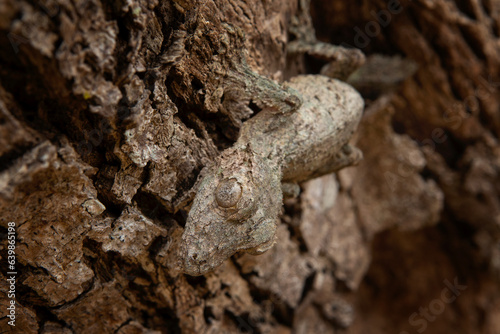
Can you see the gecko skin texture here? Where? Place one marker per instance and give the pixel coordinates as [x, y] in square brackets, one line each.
[239, 198]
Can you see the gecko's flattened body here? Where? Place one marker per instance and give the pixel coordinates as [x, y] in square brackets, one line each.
[239, 200]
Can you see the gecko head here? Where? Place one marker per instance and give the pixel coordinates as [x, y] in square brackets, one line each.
[236, 209]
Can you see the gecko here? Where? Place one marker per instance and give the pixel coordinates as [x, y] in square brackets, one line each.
[339, 61]
[239, 198]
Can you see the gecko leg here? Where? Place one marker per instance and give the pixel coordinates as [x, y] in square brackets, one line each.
[290, 190]
[348, 156]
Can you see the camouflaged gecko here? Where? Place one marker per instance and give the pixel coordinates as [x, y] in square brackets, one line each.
[239, 199]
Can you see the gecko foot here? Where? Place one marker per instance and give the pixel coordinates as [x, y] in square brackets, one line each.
[290, 190]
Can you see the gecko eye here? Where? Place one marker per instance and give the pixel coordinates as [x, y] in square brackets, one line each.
[228, 193]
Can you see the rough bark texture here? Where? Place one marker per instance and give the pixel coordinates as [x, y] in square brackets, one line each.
[109, 110]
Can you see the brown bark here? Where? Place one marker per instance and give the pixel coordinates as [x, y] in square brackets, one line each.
[110, 110]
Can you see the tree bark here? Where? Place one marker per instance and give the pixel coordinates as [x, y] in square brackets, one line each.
[109, 111]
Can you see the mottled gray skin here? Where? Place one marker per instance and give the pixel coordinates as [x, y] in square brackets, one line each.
[239, 199]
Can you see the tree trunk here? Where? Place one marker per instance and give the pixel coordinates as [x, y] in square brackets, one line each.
[110, 110]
